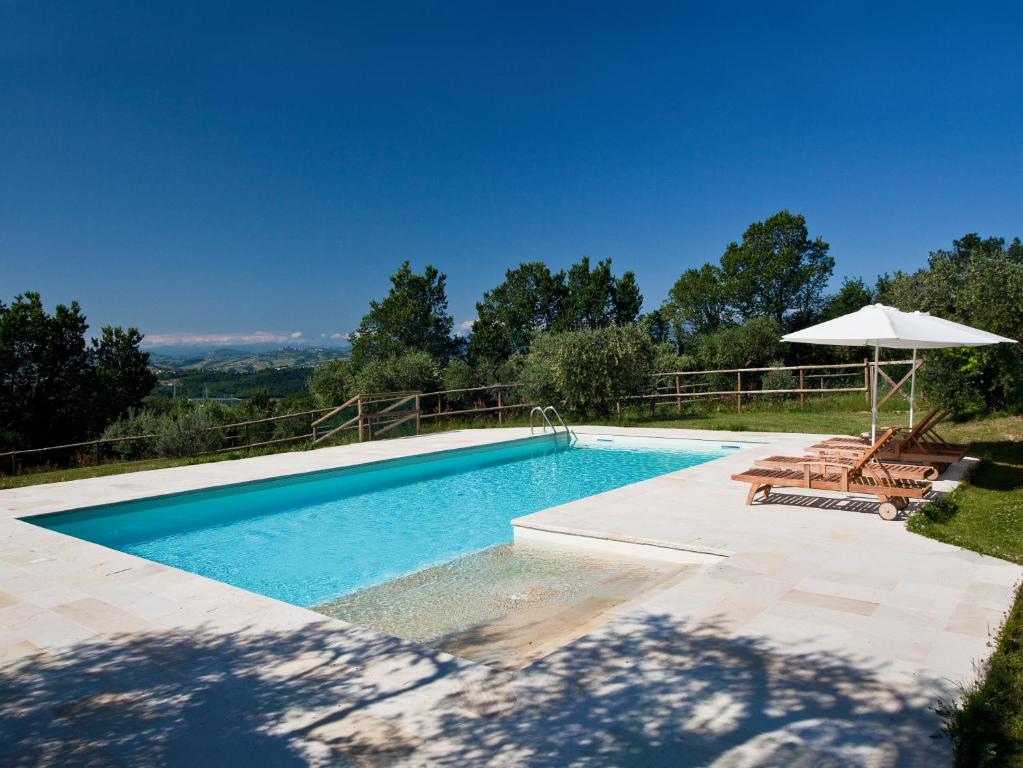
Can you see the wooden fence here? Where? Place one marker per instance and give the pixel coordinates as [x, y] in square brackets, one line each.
[371, 415]
[368, 415]
[669, 386]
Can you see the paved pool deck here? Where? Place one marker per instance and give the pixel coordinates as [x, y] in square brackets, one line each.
[816, 634]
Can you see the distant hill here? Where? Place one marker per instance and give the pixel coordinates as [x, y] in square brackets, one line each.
[200, 383]
[245, 361]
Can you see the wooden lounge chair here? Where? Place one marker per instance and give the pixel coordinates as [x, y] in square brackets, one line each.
[844, 441]
[864, 475]
[898, 471]
[920, 444]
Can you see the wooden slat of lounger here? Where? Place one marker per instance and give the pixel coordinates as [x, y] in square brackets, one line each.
[908, 471]
[950, 449]
[896, 487]
[931, 458]
[784, 477]
[787, 478]
[888, 455]
[844, 441]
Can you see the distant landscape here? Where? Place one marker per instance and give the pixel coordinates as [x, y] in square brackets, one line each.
[244, 361]
[238, 372]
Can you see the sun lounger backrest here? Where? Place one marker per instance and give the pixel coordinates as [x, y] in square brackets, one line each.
[870, 453]
[923, 425]
[930, 432]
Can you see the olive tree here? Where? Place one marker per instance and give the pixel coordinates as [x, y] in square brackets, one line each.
[587, 371]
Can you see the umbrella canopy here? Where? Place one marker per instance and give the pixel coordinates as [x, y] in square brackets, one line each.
[879, 326]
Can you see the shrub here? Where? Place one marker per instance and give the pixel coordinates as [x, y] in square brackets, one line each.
[749, 345]
[184, 433]
[135, 423]
[941, 510]
[415, 370]
[188, 434]
[333, 383]
[667, 359]
[778, 380]
[458, 374]
[588, 371]
[298, 425]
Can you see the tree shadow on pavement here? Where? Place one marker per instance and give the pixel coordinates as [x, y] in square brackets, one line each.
[648, 690]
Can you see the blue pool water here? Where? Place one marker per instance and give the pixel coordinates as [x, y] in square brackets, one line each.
[306, 539]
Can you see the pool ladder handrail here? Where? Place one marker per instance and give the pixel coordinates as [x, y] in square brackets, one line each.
[548, 422]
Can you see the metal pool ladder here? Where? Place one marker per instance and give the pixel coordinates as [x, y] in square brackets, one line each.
[547, 421]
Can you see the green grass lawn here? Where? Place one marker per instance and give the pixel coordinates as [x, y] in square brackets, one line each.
[986, 725]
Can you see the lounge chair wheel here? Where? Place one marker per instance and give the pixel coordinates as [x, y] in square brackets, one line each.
[888, 511]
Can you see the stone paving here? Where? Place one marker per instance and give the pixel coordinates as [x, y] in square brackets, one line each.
[823, 637]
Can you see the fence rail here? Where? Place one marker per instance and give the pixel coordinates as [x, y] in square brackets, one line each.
[373, 414]
[663, 381]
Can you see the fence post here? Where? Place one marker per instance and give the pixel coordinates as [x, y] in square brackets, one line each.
[500, 413]
[678, 393]
[417, 413]
[359, 414]
[95, 453]
[802, 394]
[738, 391]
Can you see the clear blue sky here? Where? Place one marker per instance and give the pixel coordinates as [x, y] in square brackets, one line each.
[227, 168]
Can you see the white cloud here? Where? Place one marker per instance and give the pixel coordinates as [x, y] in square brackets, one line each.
[219, 339]
[465, 326]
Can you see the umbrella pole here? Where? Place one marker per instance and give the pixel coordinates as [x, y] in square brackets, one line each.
[912, 389]
[873, 399]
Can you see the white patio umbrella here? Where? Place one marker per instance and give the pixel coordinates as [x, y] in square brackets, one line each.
[879, 326]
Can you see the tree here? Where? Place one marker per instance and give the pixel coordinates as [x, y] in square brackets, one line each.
[413, 370]
[854, 295]
[699, 302]
[751, 344]
[413, 316]
[337, 381]
[628, 301]
[121, 371]
[658, 325]
[594, 298]
[457, 374]
[44, 367]
[588, 370]
[978, 282]
[333, 383]
[56, 388]
[533, 300]
[777, 270]
[529, 301]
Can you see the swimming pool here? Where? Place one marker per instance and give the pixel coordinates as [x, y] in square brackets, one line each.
[309, 538]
